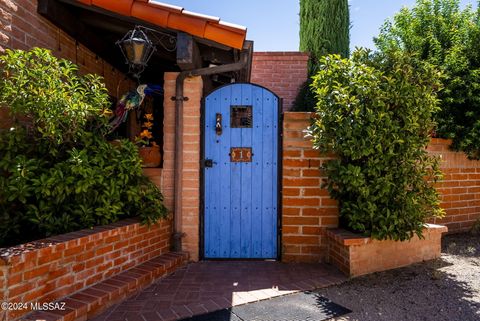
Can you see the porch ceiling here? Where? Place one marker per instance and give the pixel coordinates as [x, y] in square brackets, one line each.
[202, 41]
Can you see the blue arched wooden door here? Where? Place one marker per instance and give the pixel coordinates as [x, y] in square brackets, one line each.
[240, 161]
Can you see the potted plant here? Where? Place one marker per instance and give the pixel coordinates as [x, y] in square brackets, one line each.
[149, 150]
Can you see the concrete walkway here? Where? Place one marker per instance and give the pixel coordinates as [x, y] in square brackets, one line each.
[213, 285]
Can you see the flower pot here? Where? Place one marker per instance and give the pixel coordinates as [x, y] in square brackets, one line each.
[151, 156]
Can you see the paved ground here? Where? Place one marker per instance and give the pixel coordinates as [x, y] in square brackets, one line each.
[444, 290]
[210, 286]
[447, 289]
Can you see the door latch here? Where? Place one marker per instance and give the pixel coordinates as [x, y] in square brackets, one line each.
[208, 163]
[218, 124]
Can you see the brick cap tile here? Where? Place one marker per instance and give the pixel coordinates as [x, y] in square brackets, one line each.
[281, 53]
[298, 115]
[436, 228]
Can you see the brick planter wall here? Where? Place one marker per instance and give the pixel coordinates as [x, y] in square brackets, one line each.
[308, 210]
[67, 263]
[356, 256]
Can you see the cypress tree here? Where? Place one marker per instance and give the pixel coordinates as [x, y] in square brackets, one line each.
[324, 29]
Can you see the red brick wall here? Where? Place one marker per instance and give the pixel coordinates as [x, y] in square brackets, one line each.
[68, 263]
[308, 210]
[281, 72]
[460, 188]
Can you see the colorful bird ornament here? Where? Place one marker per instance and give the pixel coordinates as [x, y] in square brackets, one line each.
[129, 101]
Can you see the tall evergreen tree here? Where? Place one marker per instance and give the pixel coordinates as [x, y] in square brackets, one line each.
[324, 29]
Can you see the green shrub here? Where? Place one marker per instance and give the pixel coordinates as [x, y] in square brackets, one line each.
[375, 114]
[57, 171]
[439, 32]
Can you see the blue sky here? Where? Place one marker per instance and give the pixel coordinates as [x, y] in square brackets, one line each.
[274, 24]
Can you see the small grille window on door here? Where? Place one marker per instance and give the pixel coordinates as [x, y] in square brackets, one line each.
[241, 116]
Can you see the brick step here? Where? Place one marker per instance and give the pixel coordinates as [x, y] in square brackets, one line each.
[97, 298]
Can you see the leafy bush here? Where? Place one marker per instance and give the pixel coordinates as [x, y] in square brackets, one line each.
[439, 32]
[375, 114]
[57, 171]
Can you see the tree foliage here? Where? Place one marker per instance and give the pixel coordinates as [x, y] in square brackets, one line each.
[440, 33]
[324, 29]
[375, 114]
[57, 171]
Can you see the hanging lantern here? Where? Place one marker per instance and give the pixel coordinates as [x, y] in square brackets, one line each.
[137, 49]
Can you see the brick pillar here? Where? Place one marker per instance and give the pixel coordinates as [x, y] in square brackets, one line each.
[193, 89]
[190, 194]
[169, 139]
[307, 208]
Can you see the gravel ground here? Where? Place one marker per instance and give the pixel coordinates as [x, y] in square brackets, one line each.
[447, 289]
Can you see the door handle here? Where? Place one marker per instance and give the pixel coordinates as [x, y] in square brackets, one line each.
[218, 124]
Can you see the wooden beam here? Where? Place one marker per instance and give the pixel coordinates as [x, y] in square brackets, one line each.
[60, 15]
[188, 54]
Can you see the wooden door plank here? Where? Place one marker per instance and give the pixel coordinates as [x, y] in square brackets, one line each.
[268, 220]
[275, 179]
[246, 181]
[257, 169]
[217, 193]
[224, 163]
[208, 176]
[235, 183]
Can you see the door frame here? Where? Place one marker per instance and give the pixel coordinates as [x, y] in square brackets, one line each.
[202, 177]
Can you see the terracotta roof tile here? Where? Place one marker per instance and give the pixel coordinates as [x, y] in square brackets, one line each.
[174, 17]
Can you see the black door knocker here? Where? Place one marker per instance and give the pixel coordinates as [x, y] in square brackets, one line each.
[218, 124]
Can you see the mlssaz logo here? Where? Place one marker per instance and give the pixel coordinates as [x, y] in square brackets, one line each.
[51, 306]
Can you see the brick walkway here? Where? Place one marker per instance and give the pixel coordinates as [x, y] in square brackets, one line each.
[209, 286]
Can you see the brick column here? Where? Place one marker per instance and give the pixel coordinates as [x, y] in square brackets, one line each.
[169, 139]
[193, 89]
[190, 194]
[307, 209]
